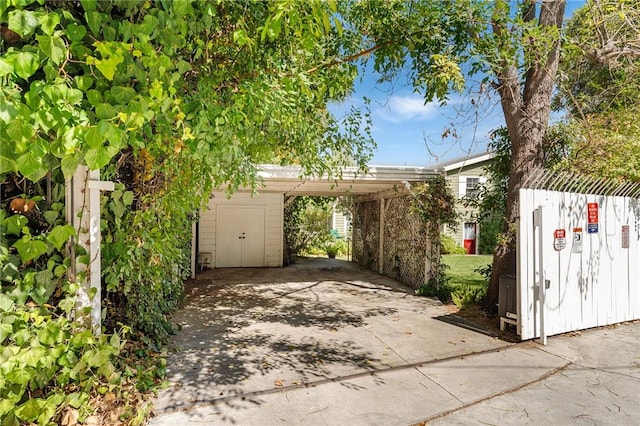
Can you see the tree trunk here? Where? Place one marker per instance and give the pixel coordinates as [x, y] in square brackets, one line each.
[526, 110]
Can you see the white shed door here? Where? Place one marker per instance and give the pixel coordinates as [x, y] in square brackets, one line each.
[240, 237]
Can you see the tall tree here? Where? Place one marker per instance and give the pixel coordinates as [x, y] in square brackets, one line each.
[515, 46]
[599, 86]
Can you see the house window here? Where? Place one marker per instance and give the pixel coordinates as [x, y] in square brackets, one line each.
[472, 189]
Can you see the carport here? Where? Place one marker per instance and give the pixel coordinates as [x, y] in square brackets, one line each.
[387, 237]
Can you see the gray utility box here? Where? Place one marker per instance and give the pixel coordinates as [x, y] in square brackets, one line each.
[507, 296]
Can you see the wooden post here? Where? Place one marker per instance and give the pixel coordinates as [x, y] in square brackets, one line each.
[193, 250]
[83, 213]
[541, 282]
[381, 236]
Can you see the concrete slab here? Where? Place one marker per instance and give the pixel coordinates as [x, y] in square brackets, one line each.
[328, 343]
[473, 378]
[250, 331]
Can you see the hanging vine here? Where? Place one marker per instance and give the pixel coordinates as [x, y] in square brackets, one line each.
[435, 204]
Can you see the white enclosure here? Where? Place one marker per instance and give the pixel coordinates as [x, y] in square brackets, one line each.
[242, 231]
[588, 250]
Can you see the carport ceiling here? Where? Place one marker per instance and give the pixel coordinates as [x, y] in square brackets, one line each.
[289, 180]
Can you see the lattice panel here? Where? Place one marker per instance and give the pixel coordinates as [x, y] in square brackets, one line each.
[405, 240]
[405, 243]
[365, 234]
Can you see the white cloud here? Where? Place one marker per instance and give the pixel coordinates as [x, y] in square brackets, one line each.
[407, 108]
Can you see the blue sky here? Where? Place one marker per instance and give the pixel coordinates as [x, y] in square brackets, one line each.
[410, 132]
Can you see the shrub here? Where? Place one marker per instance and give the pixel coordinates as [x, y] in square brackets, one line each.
[53, 372]
[467, 295]
[449, 246]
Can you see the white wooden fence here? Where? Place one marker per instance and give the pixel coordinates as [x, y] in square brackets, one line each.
[585, 248]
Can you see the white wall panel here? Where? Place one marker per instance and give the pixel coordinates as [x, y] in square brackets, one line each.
[596, 287]
[274, 211]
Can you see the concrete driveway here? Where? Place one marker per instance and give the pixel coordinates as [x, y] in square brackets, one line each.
[326, 342]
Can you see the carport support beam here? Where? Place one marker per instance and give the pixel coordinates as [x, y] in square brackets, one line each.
[381, 237]
[193, 250]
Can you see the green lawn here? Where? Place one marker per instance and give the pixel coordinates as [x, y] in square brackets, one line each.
[460, 271]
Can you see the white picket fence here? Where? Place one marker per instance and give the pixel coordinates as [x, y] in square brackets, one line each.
[592, 275]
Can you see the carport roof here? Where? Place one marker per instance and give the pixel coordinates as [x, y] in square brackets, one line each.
[291, 181]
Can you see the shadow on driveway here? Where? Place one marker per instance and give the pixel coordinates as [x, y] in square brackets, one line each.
[251, 332]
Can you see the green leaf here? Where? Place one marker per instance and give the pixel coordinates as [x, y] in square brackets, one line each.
[21, 131]
[73, 96]
[53, 47]
[7, 406]
[94, 97]
[13, 224]
[69, 165]
[5, 329]
[105, 111]
[94, 20]
[45, 287]
[50, 334]
[31, 166]
[94, 137]
[20, 376]
[5, 68]
[48, 22]
[77, 399]
[30, 249]
[30, 410]
[108, 66]
[76, 32]
[60, 234]
[123, 95]
[115, 341]
[83, 82]
[23, 22]
[50, 216]
[25, 64]
[23, 336]
[7, 165]
[127, 198]
[89, 5]
[6, 304]
[99, 157]
[33, 355]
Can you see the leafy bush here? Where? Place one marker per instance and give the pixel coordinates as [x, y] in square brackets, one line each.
[449, 246]
[53, 372]
[485, 271]
[336, 247]
[468, 295]
[437, 286]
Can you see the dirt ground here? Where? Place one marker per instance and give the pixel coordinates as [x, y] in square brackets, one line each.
[490, 323]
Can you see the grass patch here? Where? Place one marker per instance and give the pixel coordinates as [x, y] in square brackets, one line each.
[464, 285]
[461, 269]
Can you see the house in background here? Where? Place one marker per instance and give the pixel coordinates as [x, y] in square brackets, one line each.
[464, 175]
[340, 222]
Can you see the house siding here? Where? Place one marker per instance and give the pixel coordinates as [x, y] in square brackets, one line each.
[457, 182]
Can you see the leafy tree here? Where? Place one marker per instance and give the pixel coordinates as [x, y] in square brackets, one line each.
[516, 46]
[170, 99]
[306, 222]
[600, 62]
[599, 87]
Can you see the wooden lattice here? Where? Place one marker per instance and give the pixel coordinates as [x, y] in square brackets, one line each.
[405, 243]
[365, 234]
[405, 239]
